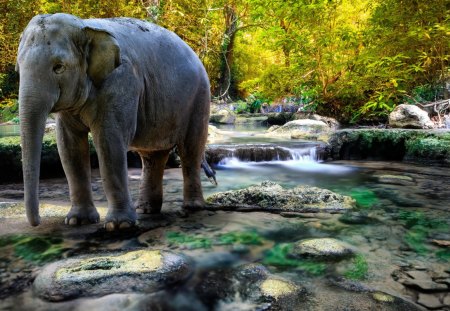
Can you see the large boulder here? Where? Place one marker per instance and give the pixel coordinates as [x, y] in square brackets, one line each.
[120, 272]
[410, 116]
[299, 129]
[223, 116]
[271, 197]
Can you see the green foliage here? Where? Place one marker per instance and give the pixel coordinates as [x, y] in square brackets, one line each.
[34, 249]
[188, 241]
[244, 238]
[355, 60]
[359, 268]
[279, 256]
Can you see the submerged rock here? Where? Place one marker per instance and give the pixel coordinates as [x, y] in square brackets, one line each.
[325, 248]
[401, 180]
[127, 272]
[271, 197]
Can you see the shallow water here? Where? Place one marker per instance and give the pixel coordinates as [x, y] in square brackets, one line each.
[403, 210]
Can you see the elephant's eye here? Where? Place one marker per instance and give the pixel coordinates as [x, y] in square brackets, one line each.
[59, 68]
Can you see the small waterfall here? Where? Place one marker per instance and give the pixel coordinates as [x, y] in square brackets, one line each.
[247, 155]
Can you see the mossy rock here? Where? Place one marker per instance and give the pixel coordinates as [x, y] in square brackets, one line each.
[119, 272]
[423, 146]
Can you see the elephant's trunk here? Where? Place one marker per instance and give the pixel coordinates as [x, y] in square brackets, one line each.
[32, 117]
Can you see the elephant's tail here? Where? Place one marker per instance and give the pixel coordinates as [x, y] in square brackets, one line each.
[210, 173]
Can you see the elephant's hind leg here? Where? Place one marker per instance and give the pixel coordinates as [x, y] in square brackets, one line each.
[191, 155]
[151, 189]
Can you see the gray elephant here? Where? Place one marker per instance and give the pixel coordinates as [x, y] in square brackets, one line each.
[134, 86]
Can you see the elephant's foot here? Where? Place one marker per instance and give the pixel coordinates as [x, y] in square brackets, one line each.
[194, 204]
[82, 216]
[147, 208]
[120, 219]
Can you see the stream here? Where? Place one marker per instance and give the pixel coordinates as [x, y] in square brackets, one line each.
[400, 233]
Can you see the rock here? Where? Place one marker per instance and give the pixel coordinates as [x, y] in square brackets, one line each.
[357, 218]
[331, 122]
[443, 243]
[277, 288]
[325, 248]
[401, 180]
[120, 272]
[429, 301]
[420, 280]
[271, 197]
[302, 129]
[255, 153]
[410, 116]
[223, 116]
[251, 119]
[423, 146]
[279, 118]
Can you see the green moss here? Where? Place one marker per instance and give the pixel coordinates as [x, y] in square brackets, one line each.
[432, 147]
[38, 249]
[364, 197]
[358, 270]
[419, 226]
[245, 238]
[189, 241]
[443, 255]
[279, 256]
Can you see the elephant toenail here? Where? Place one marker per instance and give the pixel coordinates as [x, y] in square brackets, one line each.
[124, 225]
[110, 226]
[73, 221]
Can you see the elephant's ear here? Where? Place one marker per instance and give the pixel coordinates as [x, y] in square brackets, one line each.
[103, 54]
[18, 51]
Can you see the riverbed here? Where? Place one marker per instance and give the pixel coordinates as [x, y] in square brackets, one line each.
[399, 233]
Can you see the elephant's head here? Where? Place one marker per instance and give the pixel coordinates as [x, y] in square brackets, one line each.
[60, 59]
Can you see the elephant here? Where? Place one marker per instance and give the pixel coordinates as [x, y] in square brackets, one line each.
[132, 85]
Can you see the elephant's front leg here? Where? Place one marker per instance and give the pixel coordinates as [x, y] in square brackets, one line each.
[73, 148]
[151, 189]
[111, 148]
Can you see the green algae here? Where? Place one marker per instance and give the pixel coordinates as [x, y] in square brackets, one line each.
[365, 198]
[359, 268]
[419, 227]
[39, 249]
[279, 256]
[187, 240]
[443, 255]
[241, 237]
[34, 249]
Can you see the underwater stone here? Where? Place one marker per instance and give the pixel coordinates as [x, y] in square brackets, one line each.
[120, 272]
[271, 197]
[396, 180]
[277, 288]
[429, 301]
[321, 247]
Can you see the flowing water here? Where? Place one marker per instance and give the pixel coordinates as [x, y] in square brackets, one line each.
[399, 231]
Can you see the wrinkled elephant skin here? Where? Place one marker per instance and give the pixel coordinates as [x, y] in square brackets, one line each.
[131, 84]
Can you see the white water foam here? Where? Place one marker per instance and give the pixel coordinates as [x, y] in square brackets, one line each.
[303, 160]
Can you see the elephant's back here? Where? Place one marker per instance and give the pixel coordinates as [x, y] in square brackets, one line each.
[155, 43]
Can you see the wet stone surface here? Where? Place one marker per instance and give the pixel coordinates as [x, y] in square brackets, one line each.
[271, 197]
[243, 261]
[135, 271]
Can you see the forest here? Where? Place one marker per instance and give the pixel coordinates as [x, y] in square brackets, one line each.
[354, 60]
